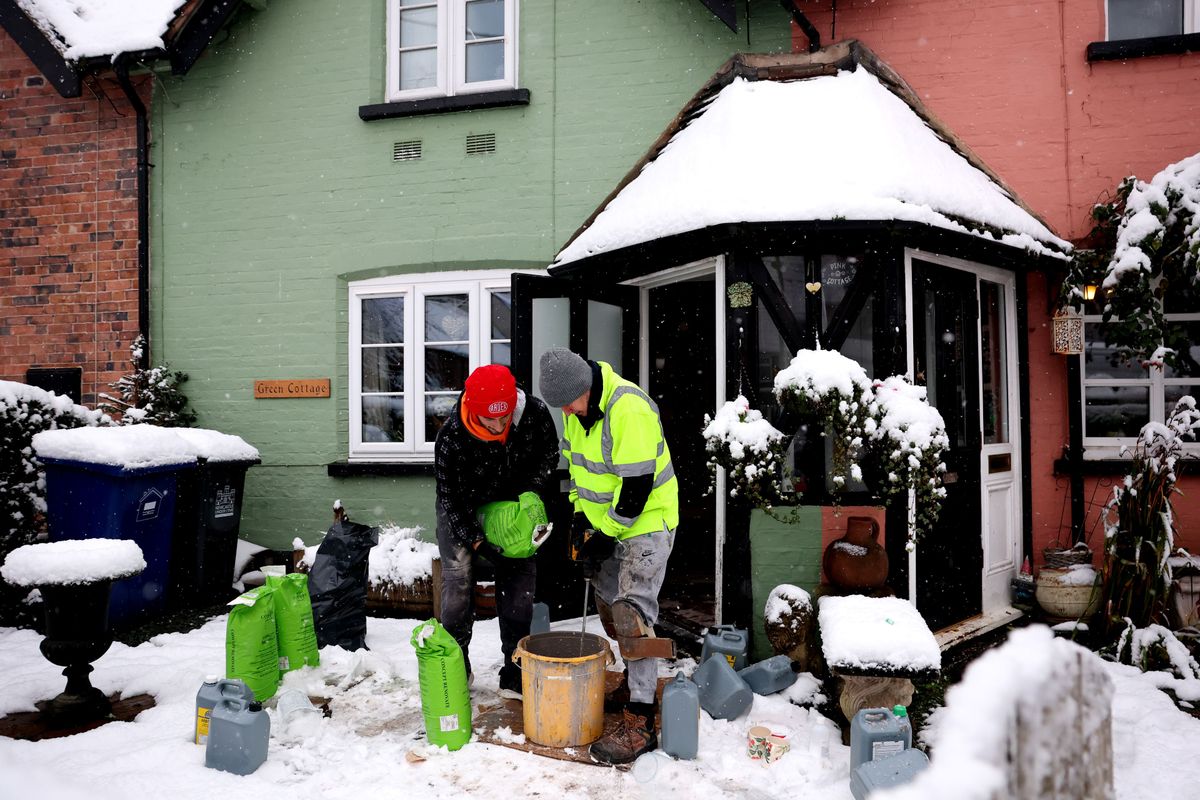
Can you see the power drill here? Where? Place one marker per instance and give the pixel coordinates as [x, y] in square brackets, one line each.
[580, 553]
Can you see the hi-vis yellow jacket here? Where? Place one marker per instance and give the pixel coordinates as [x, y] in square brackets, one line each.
[627, 442]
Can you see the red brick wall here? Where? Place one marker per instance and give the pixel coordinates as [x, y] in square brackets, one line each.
[1012, 80]
[68, 225]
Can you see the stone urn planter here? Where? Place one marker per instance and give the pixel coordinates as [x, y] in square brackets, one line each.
[75, 578]
[1069, 592]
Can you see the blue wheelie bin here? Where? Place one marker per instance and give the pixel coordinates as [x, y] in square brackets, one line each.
[208, 518]
[118, 483]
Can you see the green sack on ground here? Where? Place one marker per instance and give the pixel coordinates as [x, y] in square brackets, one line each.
[294, 622]
[251, 646]
[445, 698]
[511, 526]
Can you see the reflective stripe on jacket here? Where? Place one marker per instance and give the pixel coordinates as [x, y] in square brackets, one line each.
[627, 442]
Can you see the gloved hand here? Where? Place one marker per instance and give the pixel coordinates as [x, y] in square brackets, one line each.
[589, 547]
[489, 552]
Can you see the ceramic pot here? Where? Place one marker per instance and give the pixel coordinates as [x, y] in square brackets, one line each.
[857, 560]
[1064, 596]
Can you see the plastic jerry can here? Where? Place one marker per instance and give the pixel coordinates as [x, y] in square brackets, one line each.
[238, 733]
[729, 641]
[723, 694]
[208, 696]
[885, 773]
[680, 718]
[877, 733]
[541, 619]
[770, 675]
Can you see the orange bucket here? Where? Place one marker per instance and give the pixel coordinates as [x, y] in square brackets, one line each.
[562, 686]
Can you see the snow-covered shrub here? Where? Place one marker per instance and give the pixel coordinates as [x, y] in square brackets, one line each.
[750, 448]
[1155, 649]
[25, 411]
[1139, 524]
[149, 395]
[1146, 246]
[887, 426]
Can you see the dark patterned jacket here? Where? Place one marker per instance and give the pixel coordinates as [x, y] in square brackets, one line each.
[471, 472]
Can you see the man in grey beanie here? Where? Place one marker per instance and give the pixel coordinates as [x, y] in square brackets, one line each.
[626, 501]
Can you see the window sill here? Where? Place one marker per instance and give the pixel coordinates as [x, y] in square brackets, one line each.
[354, 469]
[442, 105]
[1140, 48]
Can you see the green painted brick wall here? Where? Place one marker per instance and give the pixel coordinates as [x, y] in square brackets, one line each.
[269, 194]
[781, 552]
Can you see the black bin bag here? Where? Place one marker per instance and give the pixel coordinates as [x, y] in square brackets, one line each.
[337, 585]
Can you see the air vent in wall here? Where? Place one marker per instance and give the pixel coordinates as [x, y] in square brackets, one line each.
[406, 151]
[479, 143]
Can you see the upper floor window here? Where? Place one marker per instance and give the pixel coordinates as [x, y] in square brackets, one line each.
[1143, 19]
[1119, 397]
[413, 341]
[448, 47]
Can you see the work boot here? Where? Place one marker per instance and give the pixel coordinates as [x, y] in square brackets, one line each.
[618, 698]
[633, 736]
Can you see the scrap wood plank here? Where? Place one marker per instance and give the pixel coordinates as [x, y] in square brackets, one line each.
[35, 725]
[489, 719]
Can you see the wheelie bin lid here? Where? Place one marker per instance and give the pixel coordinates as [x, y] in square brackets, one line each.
[116, 450]
[217, 447]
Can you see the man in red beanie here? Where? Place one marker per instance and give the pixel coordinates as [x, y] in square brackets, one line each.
[498, 443]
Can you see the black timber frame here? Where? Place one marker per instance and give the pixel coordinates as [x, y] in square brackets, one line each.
[884, 243]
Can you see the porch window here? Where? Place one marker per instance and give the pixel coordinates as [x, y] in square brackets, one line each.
[440, 48]
[1119, 397]
[413, 341]
[1143, 19]
[813, 287]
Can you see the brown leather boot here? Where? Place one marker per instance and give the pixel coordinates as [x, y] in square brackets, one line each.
[633, 736]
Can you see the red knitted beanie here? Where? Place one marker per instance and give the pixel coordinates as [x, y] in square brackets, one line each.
[491, 391]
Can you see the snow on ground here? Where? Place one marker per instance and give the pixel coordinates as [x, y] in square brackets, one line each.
[364, 749]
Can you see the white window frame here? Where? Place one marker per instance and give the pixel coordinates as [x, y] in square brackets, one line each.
[451, 53]
[1115, 447]
[478, 285]
[1191, 19]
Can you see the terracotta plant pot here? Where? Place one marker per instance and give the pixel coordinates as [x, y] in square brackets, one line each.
[857, 561]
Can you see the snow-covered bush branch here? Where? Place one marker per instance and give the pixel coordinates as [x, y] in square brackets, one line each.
[888, 426]
[149, 395]
[1146, 246]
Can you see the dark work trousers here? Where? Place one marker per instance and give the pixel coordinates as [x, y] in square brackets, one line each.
[515, 582]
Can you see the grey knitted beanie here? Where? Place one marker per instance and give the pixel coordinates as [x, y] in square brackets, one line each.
[565, 376]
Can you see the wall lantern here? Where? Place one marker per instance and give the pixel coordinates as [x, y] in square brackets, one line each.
[1089, 292]
[1068, 332]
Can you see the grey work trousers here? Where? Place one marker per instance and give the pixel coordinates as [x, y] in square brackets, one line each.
[634, 573]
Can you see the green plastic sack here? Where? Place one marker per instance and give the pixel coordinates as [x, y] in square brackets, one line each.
[251, 646]
[294, 622]
[445, 698]
[510, 525]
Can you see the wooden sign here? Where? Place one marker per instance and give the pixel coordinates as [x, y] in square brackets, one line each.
[292, 387]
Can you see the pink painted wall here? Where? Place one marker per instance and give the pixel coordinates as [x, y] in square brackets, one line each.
[1012, 80]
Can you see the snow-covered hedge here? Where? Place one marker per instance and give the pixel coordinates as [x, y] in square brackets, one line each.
[25, 411]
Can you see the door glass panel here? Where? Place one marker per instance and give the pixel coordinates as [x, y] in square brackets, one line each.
[501, 315]
[550, 327]
[383, 320]
[604, 329]
[1115, 410]
[837, 274]
[994, 362]
[383, 418]
[502, 354]
[383, 369]
[1189, 358]
[485, 61]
